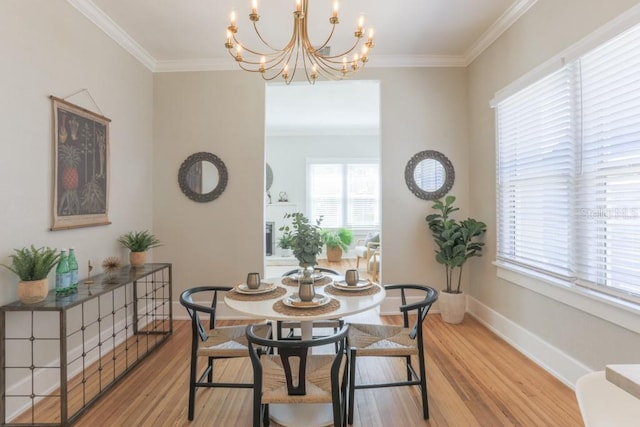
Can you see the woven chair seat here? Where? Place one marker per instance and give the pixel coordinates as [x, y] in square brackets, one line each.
[381, 340]
[318, 385]
[229, 341]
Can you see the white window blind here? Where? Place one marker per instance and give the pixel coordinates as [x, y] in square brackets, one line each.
[608, 195]
[325, 191]
[535, 161]
[346, 194]
[568, 171]
[362, 194]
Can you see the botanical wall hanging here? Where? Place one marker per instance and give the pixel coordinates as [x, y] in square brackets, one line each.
[81, 166]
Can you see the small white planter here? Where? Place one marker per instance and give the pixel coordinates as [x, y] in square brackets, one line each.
[452, 307]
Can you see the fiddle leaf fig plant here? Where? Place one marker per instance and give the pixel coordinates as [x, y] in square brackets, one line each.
[456, 241]
[306, 238]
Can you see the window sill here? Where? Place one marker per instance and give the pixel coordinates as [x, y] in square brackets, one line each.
[617, 311]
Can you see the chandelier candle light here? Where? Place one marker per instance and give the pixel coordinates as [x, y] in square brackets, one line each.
[284, 62]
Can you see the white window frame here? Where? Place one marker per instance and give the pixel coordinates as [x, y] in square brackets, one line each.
[344, 162]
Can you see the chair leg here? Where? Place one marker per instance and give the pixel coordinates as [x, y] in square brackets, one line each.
[210, 376]
[257, 408]
[423, 386]
[352, 385]
[343, 394]
[192, 387]
[409, 373]
[266, 420]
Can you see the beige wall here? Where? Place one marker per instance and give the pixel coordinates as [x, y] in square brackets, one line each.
[49, 48]
[548, 28]
[223, 112]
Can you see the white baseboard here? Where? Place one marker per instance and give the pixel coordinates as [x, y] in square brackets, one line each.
[553, 360]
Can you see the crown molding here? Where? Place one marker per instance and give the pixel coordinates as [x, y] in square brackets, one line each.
[89, 9]
[184, 65]
[407, 61]
[113, 30]
[502, 24]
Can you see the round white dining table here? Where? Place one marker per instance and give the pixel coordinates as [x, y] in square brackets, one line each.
[309, 415]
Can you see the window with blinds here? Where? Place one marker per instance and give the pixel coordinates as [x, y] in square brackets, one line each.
[346, 194]
[568, 171]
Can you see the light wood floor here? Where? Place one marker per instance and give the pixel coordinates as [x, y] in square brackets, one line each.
[475, 379]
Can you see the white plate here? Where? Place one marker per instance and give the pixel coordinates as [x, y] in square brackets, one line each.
[294, 301]
[264, 288]
[360, 286]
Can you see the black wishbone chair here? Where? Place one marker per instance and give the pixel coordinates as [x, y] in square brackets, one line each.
[394, 341]
[296, 376]
[214, 342]
[291, 325]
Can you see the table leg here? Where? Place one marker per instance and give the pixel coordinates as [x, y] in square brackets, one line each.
[307, 329]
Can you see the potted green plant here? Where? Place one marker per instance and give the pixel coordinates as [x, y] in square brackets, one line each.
[456, 242]
[284, 242]
[32, 266]
[337, 241]
[138, 242]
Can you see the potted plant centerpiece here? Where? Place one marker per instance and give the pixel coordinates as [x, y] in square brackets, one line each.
[336, 241]
[284, 243]
[138, 242]
[457, 241]
[33, 266]
[306, 242]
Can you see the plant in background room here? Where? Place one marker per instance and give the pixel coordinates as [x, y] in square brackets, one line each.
[284, 242]
[33, 266]
[337, 241]
[138, 242]
[456, 242]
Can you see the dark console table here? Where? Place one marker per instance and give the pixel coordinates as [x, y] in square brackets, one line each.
[67, 351]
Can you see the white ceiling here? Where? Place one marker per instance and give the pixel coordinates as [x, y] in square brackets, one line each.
[188, 35]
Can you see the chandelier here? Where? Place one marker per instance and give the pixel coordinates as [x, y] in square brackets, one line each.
[315, 60]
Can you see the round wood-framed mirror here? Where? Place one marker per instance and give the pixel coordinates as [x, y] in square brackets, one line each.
[203, 177]
[429, 175]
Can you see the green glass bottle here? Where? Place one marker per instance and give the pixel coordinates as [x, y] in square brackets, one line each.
[63, 274]
[73, 269]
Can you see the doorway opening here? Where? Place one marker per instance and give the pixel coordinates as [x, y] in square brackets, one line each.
[322, 151]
